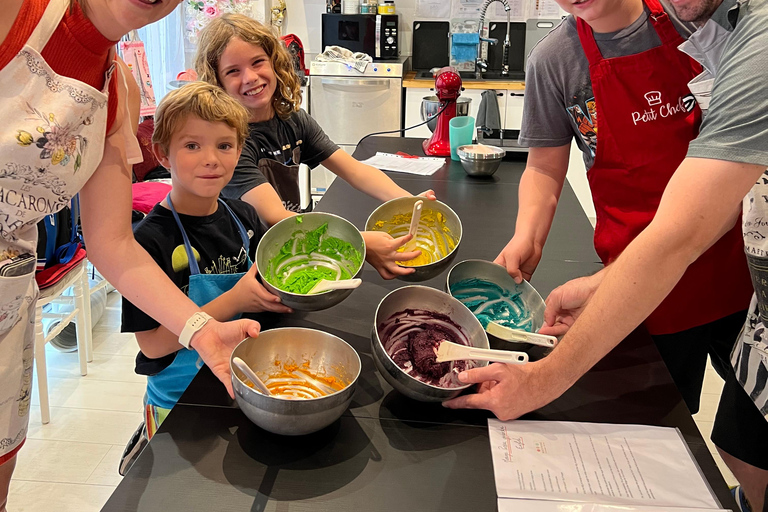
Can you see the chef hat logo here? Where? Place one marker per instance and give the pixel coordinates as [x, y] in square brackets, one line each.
[653, 98]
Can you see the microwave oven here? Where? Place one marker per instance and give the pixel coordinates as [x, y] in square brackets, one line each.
[374, 34]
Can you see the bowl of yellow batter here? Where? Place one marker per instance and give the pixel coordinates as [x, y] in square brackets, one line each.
[297, 252]
[438, 237]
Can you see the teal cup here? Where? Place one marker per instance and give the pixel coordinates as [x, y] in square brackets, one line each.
[460, 133]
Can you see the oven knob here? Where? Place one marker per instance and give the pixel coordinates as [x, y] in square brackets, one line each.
[390, 40]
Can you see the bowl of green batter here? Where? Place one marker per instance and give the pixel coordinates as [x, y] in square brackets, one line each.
[297, 252]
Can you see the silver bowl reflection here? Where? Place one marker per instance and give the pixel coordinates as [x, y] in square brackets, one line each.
[404, 205]
[488, 271]
[422, 297]
[479, 159]
[430, 106]
[327, 355]
[277, 235]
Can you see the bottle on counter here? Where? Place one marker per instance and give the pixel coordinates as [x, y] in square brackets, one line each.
[368, 6]
[387, 7]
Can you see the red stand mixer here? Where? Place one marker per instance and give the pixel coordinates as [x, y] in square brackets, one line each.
[448, 90]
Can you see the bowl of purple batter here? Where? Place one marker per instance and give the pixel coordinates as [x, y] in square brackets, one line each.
[409, 325]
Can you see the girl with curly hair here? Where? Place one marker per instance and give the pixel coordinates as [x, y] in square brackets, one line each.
[250, 62]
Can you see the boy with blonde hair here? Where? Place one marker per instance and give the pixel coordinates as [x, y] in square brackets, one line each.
[204, 244]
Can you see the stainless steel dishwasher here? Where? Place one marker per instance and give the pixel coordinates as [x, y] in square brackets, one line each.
[348, 104]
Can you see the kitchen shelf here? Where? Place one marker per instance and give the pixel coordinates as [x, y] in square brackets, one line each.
[410, 81]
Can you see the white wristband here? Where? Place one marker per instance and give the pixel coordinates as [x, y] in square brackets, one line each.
[194, 324]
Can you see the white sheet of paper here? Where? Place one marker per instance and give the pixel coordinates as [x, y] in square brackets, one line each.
[510, 505]
[543, 9]
[466, 8]
[596, 463]
[423, 166]
[516, 11]
[432, 9]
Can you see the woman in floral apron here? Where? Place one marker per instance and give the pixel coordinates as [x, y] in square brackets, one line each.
[67, 129]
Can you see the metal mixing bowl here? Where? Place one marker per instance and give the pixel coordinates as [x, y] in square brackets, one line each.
[422, 297]
[430, 106]
[481, 269]
[480, 164]
[327, 354]
[277, 235]
[405, 205]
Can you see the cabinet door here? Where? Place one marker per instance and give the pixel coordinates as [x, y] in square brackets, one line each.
[514, 117]
[476, 95]
[413, 99]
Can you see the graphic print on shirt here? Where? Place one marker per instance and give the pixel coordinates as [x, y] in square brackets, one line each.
[220, 265]
[584, 116]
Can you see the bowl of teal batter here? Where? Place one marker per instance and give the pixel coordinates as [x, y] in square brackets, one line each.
[297, 252]
[487, 290]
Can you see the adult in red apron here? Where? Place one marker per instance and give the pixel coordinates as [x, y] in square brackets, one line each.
[647, 116]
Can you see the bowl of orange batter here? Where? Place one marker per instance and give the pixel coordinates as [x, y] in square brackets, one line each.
[311, 374]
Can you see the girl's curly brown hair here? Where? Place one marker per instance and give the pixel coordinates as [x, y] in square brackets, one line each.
[215, 37]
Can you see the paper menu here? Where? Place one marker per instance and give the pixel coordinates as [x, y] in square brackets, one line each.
[510, 505]
[423, 166]
[632, 465]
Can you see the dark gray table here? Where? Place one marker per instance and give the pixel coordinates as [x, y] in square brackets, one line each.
[389, 451]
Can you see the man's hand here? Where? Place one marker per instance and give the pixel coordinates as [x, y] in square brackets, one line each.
[381, 252]
[251, 296]
[566, 302]
[520, 258]
[507, 390]
[428, 194]
[215, 342]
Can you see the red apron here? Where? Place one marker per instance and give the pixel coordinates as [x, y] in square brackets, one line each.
[647, 117]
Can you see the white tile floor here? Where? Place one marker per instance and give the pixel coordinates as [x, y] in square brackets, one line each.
[71, 463]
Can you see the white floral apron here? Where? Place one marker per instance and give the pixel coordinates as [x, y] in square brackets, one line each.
[51, 141]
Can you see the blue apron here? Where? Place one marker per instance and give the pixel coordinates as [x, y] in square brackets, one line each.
[166, 387]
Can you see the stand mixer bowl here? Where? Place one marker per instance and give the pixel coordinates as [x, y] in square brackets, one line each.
[430, 106]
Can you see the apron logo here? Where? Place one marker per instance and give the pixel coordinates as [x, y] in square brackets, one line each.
[653, 98]
[689, 102]
[682, 106]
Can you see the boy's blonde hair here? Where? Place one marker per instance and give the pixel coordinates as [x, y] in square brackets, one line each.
[201, 99]
[215, 37]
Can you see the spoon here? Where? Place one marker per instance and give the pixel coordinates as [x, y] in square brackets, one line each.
[260, 386]
[414, 228]
[448, 351]
[508, 334]
[324, 285]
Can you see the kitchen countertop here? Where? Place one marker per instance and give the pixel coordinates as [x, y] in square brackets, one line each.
[388, 452]
[411, 81]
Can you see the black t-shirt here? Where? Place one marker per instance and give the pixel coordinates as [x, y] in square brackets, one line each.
[287, 142]
[216, 239]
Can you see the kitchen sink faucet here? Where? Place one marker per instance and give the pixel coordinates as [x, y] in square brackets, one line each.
[480, 64]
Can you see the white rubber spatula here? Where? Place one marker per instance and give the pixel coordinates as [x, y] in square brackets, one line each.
[260, 386]
[344, 284]
[519, 335]
[448, 351]
[414, 228]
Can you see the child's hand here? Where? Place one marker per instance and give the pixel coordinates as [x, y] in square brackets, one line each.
[428, 194]
[381, 252]
[252, 297]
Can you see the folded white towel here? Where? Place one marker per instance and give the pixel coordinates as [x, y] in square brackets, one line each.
[357, 60]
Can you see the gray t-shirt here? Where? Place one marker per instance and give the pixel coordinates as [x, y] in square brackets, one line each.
[298, 139]
[559, 102]
[735, 128]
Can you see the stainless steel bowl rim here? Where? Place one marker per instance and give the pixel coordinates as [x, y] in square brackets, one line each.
[378, 338]
[363, 254]
[485, 262]
[271, 397]
[471, 156]
[427, 202]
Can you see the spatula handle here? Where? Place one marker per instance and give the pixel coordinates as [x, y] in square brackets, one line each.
[519, 335]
